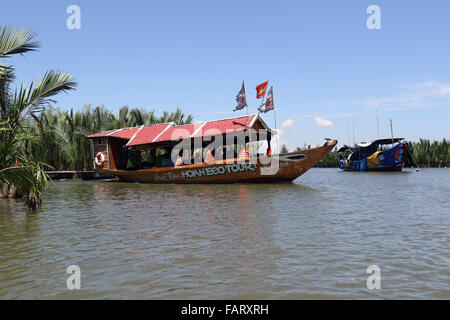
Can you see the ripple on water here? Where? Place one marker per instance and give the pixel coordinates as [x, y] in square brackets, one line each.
[312, 239]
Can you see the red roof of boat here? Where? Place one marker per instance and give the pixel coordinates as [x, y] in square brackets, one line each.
[167, 132]
[101, 134]
[149, 134]
[178, 133]
[215, 127]
[125, 133]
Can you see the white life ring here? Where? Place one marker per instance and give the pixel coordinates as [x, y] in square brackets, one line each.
[99, 159]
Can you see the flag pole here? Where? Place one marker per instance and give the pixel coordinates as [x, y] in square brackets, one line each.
[243, 82]
[262, 103]
[248, 118]
[250, 131]
[263, 98]
[275, 119]
[264, 95]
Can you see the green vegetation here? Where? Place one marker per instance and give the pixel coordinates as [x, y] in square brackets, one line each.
[34, 136]
[331, 160]
[21, 175]
[58, 138]
[430, 154]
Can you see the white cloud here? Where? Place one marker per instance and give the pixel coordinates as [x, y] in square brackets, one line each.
[284, 133]
[287, 123]
[414, 95]
[321, 123]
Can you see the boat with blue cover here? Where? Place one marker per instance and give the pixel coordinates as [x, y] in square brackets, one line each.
[378, 155]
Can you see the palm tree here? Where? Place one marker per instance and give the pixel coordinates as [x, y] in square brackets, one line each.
[17, 108]
[284, 149]
[58, 138]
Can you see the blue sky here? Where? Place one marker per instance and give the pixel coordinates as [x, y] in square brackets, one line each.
[327, 68]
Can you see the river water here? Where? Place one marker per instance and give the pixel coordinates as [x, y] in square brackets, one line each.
[312, 239]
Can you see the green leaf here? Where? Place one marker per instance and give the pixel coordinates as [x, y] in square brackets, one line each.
[16, 41]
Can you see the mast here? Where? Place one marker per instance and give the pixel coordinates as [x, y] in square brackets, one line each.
[348, 131]
[392, 132]
[353, 131]
[378, 127]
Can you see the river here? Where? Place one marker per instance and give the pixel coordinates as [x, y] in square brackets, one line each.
[312, 239]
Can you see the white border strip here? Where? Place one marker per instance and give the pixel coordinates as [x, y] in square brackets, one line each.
[198, 129]
[135, 134]
[171, 124]
[115, 131]
[253, 121]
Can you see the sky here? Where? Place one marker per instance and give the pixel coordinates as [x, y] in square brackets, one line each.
[331, 74]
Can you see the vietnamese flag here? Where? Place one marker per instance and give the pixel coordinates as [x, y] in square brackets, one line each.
[261, 90]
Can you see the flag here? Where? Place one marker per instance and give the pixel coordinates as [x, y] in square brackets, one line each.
[261, 90]
[269, 102]
[241, 99]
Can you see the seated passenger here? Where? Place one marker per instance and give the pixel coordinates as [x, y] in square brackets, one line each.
[244, 154]
[209, 158]
[178, 163]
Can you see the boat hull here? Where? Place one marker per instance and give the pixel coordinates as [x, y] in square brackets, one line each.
[278, 168]
[378, 169]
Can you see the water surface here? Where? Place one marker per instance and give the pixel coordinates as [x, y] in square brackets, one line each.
[313, 238]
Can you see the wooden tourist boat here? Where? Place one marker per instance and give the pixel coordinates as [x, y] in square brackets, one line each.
[114, 150]
[374, 157]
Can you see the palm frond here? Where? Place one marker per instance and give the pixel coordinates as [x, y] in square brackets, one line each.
[52, 83]
[16, 41]
[31, 182]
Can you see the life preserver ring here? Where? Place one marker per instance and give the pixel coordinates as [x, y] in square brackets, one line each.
[99, 159]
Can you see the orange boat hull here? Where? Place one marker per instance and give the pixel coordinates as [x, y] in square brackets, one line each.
[277, 168]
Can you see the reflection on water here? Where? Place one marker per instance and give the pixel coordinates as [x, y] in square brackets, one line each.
[314, 238]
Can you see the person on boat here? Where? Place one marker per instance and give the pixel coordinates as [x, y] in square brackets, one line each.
[209, 158]
[179, 163]
[341, 163]
[244, 154]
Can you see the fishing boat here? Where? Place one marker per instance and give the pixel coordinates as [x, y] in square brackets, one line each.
[378, 155]
[170, 153]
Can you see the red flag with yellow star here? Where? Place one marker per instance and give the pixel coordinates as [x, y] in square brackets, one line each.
[261, 90]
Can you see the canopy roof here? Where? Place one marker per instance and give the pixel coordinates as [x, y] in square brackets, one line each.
[167, 133]
[379, 142]
[369, 146]
[124, 133]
